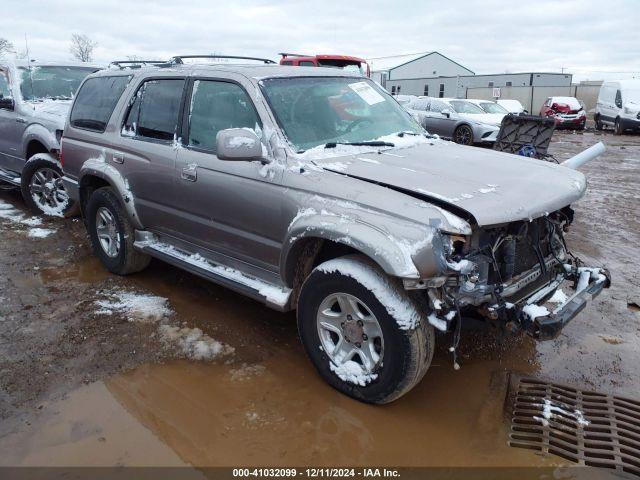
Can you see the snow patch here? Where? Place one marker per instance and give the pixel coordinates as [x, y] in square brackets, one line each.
[193, 343]
[137, 307]
[352, 372]
[40, 232]
[390, 296]
[437, 322]
[534, 311]
[550, 410]
[559, 297]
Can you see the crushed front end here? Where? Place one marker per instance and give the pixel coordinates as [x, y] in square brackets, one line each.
[509, 273]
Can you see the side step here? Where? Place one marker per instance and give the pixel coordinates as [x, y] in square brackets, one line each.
[10, 177]
[274, 296]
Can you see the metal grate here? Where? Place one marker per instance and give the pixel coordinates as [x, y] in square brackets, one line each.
[588, 428]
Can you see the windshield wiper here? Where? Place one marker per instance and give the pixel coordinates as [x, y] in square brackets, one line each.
[402, 134]
[371, 143]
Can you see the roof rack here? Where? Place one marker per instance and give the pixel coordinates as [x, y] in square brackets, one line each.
[135, 63]
[284, 54]
[178, 59]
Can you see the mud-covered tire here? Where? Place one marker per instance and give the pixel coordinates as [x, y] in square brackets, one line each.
[463, 135]
[38, 168]
[125, 259]
[617, 127]
[599, 125]
[407, 352]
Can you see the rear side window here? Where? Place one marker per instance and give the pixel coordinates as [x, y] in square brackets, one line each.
[154, 111]
[217, 106]
[96, 100]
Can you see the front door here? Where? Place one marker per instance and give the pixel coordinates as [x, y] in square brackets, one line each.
[229, 207]
[9, 129]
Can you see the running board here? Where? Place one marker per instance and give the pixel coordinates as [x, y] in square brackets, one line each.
[9, 177]
[272, 295]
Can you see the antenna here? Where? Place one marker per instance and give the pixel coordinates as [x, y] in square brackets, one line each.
[26, 44]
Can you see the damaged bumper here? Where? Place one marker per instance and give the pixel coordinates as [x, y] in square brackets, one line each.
[588, 283]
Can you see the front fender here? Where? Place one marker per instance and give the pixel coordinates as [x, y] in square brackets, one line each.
[98, 167]
[41, 134]
[394, 253]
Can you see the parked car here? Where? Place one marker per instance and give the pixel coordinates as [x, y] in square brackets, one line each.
[458, 120]
[376, 233]
[490, 107]
[568, 112]
[34, 100]
[618, 106]
[511, 106]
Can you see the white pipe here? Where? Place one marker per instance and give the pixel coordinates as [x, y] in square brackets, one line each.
[585, 156]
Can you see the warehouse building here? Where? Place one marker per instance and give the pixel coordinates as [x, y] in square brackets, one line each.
[436, 75]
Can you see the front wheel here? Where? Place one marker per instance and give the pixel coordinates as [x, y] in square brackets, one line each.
[463, 135]
[362, 332]
[42, 187]
[617, 128]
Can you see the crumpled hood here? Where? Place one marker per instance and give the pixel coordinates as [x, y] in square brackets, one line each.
[492, 187]
[53, 110]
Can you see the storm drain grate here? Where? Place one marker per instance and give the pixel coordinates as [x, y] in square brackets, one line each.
[588, 428]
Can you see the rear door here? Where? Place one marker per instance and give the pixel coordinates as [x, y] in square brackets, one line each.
[147, 150]
[229, 207]
[438, 121]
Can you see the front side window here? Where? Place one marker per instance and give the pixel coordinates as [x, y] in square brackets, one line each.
[215, 106]
[438, 106]
[154, 110]
[51, 82]
[315, 111]
[618, 99]
[491, 107]
[96, 100]
[4, 85]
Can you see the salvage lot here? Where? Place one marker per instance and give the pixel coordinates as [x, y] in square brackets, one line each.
[95, 371]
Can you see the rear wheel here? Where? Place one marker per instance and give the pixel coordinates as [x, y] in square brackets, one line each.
[463, 135]
[356, 345]
[599, 125]
[42, 187]
[617, 128]
[112, 235]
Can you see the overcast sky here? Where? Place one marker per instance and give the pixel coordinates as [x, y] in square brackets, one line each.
[588, 38]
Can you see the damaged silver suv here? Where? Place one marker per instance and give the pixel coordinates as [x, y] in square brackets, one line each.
[312, 189]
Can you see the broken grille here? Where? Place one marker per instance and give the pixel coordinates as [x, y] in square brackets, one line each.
[588, 428]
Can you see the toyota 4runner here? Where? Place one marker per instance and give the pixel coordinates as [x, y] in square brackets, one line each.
[312, 189]
[34, 102]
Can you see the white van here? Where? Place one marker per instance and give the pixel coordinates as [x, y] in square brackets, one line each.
[619, 106]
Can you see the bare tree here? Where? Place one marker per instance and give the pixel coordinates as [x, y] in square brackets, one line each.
[82, 47]
[6, 46]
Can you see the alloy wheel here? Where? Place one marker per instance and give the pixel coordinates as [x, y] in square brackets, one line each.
[107, 231]
[48, 192]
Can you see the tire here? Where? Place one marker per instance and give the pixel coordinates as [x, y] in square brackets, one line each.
[463, 135]
[617, 127]
[113, 245]
[404, 354]
[599, 125]
[42, 187]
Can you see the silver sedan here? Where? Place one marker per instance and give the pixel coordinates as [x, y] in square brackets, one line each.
[459, 120]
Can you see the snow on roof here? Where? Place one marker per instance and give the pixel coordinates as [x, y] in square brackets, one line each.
[387, 63]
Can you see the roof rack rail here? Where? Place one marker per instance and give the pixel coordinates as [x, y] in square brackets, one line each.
[178, 59]
[135, 63]
[284, 54]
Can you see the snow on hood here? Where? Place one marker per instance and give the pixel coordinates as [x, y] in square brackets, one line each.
[571, 102]
[54, 108]
[486, 118]
[491, 186]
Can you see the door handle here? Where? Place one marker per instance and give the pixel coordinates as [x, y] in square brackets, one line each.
[190, 172]
[118, 157]
[21, 120]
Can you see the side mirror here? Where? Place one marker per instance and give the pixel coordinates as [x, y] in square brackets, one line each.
[447, 113]
[238, 144]
[7, 103]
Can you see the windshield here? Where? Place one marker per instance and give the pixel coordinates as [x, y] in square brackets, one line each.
[491, 107]
[60, 83]
[315, 111]
[460, 106]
